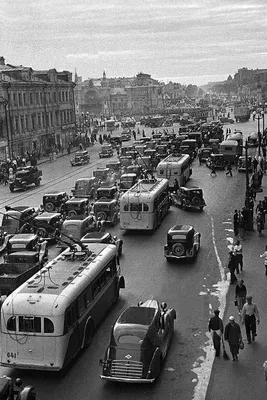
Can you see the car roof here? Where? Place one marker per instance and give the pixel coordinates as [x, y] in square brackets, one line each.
[23, 237]
[96, 236]
[181, 228]
[46, 216]
[75, 200]
[54, 194]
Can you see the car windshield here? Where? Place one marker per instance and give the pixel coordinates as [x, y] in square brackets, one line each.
[178, 236]
[137, 315]
[196, 192]
[130, 339]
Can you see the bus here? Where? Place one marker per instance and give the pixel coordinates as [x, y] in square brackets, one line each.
[110, 125]
[175, 166]
[144, 205]
[48, 319]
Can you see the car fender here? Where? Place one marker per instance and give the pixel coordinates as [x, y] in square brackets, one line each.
[121, 282]
[155, 364]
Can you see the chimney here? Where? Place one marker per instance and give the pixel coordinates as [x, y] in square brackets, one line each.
[2, 60]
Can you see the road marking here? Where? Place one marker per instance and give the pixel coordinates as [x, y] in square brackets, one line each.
[203, 366]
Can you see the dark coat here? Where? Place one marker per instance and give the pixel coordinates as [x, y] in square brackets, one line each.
[232, 333]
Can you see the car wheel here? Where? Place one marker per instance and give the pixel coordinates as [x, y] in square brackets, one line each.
[11, 188]
[102, 215]
[178, 249]
[37, 183]
[49, 207]
[72, 213]
[196, 201]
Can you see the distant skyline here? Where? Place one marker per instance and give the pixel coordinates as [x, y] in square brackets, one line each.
[183, 41]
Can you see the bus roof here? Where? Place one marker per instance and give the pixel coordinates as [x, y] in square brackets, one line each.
[175, 159]
[148, 188]
[60, 281]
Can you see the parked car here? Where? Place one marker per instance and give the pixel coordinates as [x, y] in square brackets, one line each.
[76, 206]
[103, 237]
[47, 225]
[189, 198]
[81, 157]
[182, 242]
[86, 187]
[127, 181]
[53, 201]
[139, 343]
[107, 210]
[75, 228]
[204, 153]
[216, 159]
[107, 192]
[106, 151]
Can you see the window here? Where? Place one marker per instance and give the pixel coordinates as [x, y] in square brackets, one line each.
[31, 98]
[30, 324]
[22, 123]
[33, 121]
[20, 99]
[41, 97]
[15, 103]
[145, 207]
[24, 99]
[55, 97]
[136, 207]
[126, 207]
[48, 326]
[37, 97]
[27, 122]
[11, 324]
[39, 121]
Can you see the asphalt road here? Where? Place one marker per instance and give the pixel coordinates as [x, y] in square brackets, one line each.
[192, 289]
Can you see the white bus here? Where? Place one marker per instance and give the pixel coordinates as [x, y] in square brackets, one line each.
[175, 166]
[49, 318]
[144, 205]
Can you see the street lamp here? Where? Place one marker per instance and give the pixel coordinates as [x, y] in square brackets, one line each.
[247, 195]
[258, 117]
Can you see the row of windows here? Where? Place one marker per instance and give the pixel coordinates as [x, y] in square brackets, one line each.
[30, 324]
[24, 123]
[22, 99]
[80, 304]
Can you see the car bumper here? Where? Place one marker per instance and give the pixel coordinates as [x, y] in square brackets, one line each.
[170, 255]
[127, 380]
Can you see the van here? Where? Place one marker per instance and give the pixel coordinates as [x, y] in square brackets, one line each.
[76, 228]
[230, 149]
[127, 181]
[86, 187]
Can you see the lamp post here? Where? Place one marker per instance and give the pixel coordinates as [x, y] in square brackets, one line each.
[247, 195]
[258, 117]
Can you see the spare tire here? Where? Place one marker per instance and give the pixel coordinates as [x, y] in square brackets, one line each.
[178, 249]
[72, 213]
[41, 232]
[196, 201]
[49, 207]
[102, 215]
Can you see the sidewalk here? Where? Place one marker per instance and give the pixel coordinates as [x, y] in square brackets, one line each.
[244, 379]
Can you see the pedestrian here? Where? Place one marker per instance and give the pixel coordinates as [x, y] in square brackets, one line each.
[236, 160]
[238, 249]
[68, 149]
[240, 295]
[260, 176]
[232, 335]
[229, 169]
[255, 164]
[216, 327]
[250, 315]
[260, 208]
[265, 259]
[241, 225]
[213, 170]
[100, 139]
[175, 185]
[232, 266]
[236, 223]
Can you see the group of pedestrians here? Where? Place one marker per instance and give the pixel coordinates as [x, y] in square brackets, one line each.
[232, 333]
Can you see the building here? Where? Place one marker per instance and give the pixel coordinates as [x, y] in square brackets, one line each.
[37, 110]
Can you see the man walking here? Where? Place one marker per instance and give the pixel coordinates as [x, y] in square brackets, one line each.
[236, 223]
[232, 335]
[229, 169]
[265, 259]
[238, 249]
[216, 327]
[240, 295]
[250, 315]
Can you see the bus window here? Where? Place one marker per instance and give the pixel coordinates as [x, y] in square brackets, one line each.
[126, 207]
[82, 303]
[30, 324]
[145, 207]
[48, 326]
[11, 324]
[136, 207]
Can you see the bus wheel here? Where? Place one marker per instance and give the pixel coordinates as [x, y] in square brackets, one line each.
[89, 333]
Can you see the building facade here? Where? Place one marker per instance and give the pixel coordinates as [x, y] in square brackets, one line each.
[37, 110]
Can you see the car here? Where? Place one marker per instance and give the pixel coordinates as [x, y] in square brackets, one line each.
[86, 187]
[241, 164]
[115, 141]
[125, 135]
[204, 153]
[103, 237]
[73, 229]
[106, 151]
[107, 210]
[227, 120]
[217, 159]
[15, 217]
[139, 343]
[24, 177]
[182, 242]
[107, 192]
[81, 157]
[189, 198]
[127, 181]
[53, 201]
[76, 206]
[101, 173]
[47, 225]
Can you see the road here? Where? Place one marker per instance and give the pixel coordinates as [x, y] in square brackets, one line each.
[192, 289]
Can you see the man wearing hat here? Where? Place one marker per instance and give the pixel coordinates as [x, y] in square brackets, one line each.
[216, 327]
[232, 335]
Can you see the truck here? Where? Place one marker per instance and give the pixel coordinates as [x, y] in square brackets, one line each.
[24, 177]
[241, 112]
[25, 256]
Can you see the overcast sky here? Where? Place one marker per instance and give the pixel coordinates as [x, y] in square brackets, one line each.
[186, 41]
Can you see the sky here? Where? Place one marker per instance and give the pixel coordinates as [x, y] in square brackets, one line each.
[185, 41]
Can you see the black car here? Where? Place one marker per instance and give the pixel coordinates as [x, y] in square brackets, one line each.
[53, 201]
[182, 242]
[47, 225]
[189, 198]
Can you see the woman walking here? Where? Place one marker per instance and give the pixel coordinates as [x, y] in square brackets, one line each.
[240, 295]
